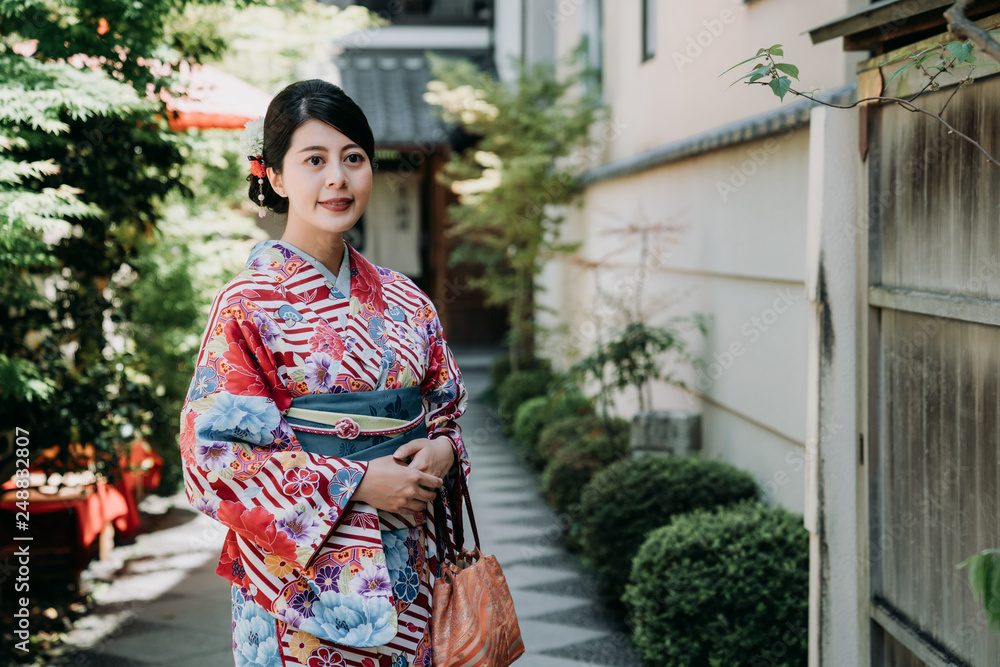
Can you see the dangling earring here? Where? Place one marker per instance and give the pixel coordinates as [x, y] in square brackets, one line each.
[257, 169]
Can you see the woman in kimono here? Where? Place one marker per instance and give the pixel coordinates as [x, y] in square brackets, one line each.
[321, 418]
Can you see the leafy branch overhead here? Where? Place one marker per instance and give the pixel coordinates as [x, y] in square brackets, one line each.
[933, 61]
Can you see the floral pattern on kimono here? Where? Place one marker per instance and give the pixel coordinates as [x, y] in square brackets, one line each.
[317, 578]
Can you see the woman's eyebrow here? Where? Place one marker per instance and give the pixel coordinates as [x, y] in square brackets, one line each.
[323, 148]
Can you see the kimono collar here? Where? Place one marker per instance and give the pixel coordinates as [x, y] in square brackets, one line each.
[357, 276]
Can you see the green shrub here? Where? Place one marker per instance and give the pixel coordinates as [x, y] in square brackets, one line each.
[572, 466]
[627, 500]
[528, 421]
[725, 587]
[568, 403]
[535, 413]
[516, 389]
[500, 369]
[567, 430]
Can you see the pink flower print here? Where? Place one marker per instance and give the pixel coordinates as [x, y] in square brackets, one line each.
[300, 482]
[326, 340]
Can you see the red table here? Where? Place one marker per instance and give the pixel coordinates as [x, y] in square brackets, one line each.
[95, 508]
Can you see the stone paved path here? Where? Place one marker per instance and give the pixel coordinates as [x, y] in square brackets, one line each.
[165, 605]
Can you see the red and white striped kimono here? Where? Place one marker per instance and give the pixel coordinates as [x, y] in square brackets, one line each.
[318, 580]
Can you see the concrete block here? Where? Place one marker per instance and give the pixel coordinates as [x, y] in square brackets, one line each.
[672, 431]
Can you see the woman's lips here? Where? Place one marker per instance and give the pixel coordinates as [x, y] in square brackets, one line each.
[337, 205]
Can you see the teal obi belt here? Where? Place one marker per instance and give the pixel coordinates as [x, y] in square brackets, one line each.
[357, 425]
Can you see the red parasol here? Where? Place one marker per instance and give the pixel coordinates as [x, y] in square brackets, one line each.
[211, 99]
[214, 99]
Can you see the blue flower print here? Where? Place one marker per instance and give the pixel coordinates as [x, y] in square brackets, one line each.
[388, 358]
[255, 637]
[406, 585]
[443, 393]
[396, 313]
[249, 418]
[238, 599]
[394, 545]
[353, 620]
[344, 483]
[376, 329]
[206, 381]
[399, 660]
[289, 314]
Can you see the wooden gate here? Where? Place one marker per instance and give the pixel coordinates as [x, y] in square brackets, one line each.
[930, 376]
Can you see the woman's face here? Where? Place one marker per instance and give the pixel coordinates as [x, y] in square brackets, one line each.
[327, 179]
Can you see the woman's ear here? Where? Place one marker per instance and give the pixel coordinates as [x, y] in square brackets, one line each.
[275, 178]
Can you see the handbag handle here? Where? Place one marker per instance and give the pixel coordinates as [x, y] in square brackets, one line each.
[444, 545]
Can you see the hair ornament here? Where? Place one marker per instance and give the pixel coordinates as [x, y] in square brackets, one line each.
[252, 145]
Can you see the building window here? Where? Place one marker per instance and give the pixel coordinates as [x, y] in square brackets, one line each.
[593, 32]
[648, 29]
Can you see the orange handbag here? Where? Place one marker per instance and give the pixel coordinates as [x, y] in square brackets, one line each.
[473, 623]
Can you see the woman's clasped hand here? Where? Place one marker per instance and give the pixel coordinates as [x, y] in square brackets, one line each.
[395, 485]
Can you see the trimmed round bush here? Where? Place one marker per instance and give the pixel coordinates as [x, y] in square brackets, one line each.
[516, 389]
[528, 422]
[535, 413]
[568, 403]
[567, 430]
[572, 466]
[722, 587]
[530, 418]
[628, 499]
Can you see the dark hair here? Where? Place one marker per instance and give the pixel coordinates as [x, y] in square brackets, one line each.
[294, 105]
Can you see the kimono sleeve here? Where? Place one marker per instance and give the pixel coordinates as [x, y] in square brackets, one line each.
[443, 391]
[243, 465]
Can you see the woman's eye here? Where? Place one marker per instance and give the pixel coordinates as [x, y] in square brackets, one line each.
[313, 157]
[359, 157]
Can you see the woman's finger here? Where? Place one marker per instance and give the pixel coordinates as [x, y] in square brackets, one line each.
[428, 480]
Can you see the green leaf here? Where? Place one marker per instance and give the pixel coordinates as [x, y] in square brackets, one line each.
[780, 86]
[964, 52]
[745, 61]
[776, 50]
[754, 74]
[984, 580]
[904, 54]
[344, 581]
[895, 74]
[789, 69]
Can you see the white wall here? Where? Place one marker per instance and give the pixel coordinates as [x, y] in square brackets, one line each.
[737, 255]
